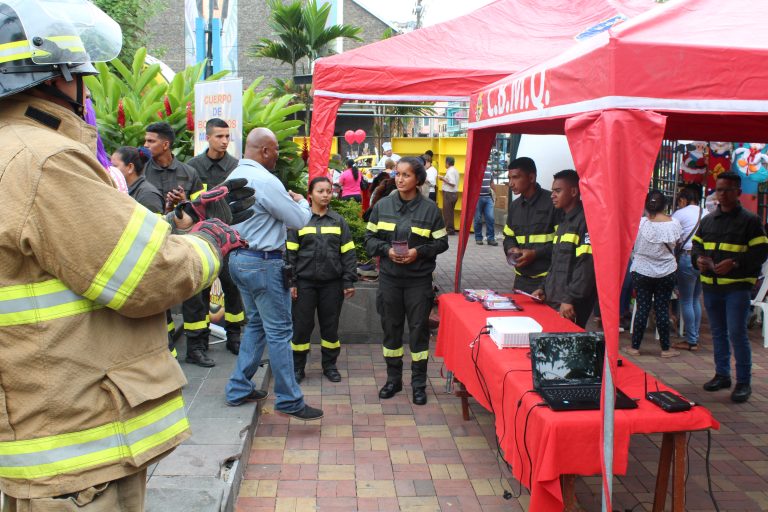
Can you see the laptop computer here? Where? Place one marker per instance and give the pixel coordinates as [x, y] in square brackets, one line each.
[568, 370]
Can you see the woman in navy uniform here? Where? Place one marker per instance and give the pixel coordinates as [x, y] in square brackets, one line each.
[407, 232]
[323, 256]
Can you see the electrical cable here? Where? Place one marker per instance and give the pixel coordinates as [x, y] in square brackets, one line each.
[525, 441]
[709, 476]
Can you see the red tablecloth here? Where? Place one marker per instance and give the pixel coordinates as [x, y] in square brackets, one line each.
[558, 442]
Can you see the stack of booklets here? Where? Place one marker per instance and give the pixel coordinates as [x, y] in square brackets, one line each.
[491, 300]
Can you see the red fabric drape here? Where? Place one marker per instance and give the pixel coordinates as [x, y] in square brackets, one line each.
[479, 144]
[614, 152]
[321, 134]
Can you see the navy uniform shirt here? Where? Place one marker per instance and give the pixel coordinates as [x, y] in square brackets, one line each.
[213, 172]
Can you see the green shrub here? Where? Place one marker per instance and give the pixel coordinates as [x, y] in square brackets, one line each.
[351, 211]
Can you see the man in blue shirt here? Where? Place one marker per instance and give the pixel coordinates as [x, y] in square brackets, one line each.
[258, 274]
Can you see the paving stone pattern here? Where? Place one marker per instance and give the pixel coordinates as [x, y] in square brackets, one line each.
[372, 454]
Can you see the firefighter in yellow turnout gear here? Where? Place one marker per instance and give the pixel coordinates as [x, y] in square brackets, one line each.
[89, 394]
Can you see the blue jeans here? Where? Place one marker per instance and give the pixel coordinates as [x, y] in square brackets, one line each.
[484, 208]
[728, 313]
[689, 286]
[268, 312]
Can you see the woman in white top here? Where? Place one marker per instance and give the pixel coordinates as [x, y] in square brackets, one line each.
[689, 214]
[653, 271]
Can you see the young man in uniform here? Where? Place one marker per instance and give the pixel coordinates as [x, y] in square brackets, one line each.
[729, 249]
[178, 182]
[213, 166]
[569, 286]
[530, 227]
[90, 394]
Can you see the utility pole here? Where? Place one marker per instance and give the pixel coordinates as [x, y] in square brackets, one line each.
[418, 10]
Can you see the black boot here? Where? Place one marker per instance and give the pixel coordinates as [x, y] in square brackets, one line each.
[419, 396]
[199, 358]
[299, 374]
[233, 345]
[390, 389]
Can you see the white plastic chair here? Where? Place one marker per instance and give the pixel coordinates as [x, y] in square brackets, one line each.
[759, 302]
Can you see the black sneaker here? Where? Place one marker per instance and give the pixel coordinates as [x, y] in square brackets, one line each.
[257, 395]
[493, 243]
[308, 413]
[479, 242]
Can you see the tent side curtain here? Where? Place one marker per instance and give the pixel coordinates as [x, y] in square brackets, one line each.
[479, 143]
[613, 184]
[321, 134]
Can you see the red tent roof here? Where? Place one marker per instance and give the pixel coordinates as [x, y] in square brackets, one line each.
[696, 61]
[452, 59]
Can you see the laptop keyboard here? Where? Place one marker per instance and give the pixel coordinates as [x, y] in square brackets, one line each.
[573, 394]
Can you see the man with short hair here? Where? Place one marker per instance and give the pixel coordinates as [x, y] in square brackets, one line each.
[450, 193]
[259, 274]
[729, 249]
[484, 210]
[177, 182]
[530, 227]
[213, 166]
[569, 286]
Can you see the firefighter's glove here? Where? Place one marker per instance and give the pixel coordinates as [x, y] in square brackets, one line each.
[220, 235]
[230, 202]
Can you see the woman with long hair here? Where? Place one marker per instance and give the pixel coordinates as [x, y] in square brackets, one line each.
[689, 213]
[130, 162]
[653, 271]
[323, 257]
[350, 182]
[407, 231]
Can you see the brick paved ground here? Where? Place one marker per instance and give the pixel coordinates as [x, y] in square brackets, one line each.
[371, 454]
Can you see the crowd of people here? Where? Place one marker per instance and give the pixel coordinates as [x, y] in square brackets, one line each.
[718, 255]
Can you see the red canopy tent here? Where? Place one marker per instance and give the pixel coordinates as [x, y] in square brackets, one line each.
[448, 61]
[686, 69]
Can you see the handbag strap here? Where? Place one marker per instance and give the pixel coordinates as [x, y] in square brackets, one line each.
[695, 227]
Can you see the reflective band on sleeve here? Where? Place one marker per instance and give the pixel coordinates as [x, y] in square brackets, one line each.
[372, 227]
[420, 356]
[727, 280]
[129, 260]
[709, 246]
[707, 280]
[330, 344]
[171, 326]
[303, 347]
[583, 249]
[508, 231]
[195, 195]
[398, 352]
[234, 317]
[570, 238]
[541, 239]
[208, 259]
[349, 246]
[536, 276]
[758, 240]
[73, 452]
[440, 233]
[733, 247]
[309, 230]
[292, 246]
[40, 302]
[330, 230]
[387, 226]
[520, 239]
[421, 231]
[198, 326]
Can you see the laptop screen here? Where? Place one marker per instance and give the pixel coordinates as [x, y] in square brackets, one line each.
[567, 358]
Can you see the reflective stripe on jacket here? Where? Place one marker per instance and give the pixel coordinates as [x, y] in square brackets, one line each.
[88, 390]
[738, 235]
[531, 225]
[323, 250]
[419, 222]
[571, 276]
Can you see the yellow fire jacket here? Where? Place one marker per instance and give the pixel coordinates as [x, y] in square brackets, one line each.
[88, 390]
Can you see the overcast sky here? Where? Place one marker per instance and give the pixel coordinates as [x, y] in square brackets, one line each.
[436, 11]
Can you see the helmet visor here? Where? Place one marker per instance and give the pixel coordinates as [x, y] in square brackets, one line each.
[67, 31]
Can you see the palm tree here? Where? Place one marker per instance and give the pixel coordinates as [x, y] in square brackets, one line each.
[301, 32]
[302, 38]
